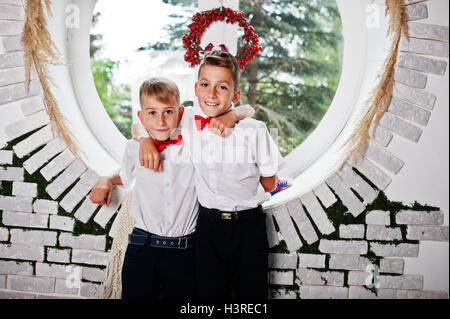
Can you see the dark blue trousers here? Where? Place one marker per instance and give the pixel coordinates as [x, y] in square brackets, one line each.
[156, 273]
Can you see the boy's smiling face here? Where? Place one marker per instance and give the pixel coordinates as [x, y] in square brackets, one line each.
[159, 119]
[215, 90]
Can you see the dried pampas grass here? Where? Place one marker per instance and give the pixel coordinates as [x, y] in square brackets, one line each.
[40, 50]
[380, 97]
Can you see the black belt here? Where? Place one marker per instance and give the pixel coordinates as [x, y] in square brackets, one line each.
[143, 238]
[253, 213]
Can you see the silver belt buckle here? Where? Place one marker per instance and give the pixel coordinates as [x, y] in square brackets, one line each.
[227, 216]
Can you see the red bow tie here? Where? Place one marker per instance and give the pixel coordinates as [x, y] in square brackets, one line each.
[201, 122]
[161, 145]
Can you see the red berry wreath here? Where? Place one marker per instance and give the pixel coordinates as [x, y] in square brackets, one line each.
[201, 22]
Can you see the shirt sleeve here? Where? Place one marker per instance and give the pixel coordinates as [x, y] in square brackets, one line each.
[128, 165]
[268, 157]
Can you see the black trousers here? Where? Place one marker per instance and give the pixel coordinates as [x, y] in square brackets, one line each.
[155, 273]
[232, 256]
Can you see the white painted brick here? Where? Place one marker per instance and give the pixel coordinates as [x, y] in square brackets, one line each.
[107, 212]
[378, 217]
[409, 112]
[11, 174]
[87, 209]
[342, 189]
[359, 278]
[304, 225]
[22, 252]
[76, 194]
[281, 294]
[15, 268]
[83, 241]
[34, 284]
[26, 125]
[2, 281]
[411, 78]
[323, 292]
[21, 204]
[325, 195]
[349, 247]
[281, 278]
[381, 135]
[283, 261]
[349, 262]
[32, 105]
[12, 76]
[420, 294]
[428, 31]
[431, 233]
[358, 292]
[10, 43]
[41, 137]
[58, 255]
[416, 11]
[5, 294]
[11, 60]
[392, 250]
[89, 178]
[4, 233]
[33, 237]
[384, 158]
[311, 261]
[351, 231]
[401, 282]
[287, 229]
[61, 287]
[88, 289]
[358, 184]
[52, 270]
[62, 223]
[317, 213]
[24, 189]
[89, 257]
[11, 27]
[379, 232]
[401, 127]
[67, 178]
[422, 64]
[93, 274]
[410, 217]
[40, 158]
[272, 234]
[16, 92]
[8, 12]
[419, 97]
[392, 266]
[314, 277]
[25, 220]
[422, 46]
[57, 165]
[43, 206]
[6, 157]
[374, 174]
[58, 296]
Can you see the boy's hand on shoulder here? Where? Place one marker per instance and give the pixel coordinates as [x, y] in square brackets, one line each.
[101, 190]
[148, 154]
[222, 125]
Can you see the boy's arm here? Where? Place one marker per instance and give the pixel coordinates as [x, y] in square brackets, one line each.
[221, 124]
[268, 183]
[148, 154]
[103, 189]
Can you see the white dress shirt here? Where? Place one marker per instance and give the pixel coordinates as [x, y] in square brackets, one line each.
[227, 170]
[163, 203]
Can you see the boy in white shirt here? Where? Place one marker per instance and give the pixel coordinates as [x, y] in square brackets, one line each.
[159, 260]
[231, 177]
